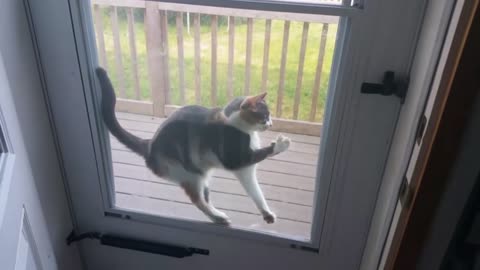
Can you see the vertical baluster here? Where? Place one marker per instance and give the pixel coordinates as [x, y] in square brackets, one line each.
[133, 51]
[118, 53]
[214, 59]
[231, 50]
[100, 38]
[281, 84]
[301, 62]
[318, 73]
[181, 63]
[196, 21]
[165, 72]
[266, 51]
[248, 56]
[188, 23]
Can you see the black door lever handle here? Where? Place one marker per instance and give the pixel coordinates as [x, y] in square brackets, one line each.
[388, 87]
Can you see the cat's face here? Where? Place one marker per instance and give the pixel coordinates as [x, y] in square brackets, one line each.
[254, 110]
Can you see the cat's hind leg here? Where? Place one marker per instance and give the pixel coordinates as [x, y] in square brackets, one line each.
[198, 193]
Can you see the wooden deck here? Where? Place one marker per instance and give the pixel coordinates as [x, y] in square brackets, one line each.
[287, 180]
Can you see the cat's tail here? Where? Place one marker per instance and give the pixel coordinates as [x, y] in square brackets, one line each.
[136, 144]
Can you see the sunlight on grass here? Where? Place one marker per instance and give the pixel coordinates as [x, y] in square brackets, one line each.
[294, 44]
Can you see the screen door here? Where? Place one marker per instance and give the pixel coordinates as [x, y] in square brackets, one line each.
[310, 57]
[210, 57]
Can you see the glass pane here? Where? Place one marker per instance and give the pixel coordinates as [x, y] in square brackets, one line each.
[209, 56]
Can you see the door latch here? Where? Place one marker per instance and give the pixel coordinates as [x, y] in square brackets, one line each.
[389, 86]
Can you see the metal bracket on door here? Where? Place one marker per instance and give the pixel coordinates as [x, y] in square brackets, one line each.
[422, 124]
[405, 194]
[388, 87]
[139, 245]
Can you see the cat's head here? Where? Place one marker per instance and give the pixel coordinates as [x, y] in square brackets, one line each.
[254, 110]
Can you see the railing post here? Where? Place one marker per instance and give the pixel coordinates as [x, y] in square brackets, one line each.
[155, 57]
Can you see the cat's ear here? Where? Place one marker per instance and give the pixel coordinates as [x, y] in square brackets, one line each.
[251, 101]
[247, 103]
[261, 96]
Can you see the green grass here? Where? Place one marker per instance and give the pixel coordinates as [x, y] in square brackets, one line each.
[239, 63]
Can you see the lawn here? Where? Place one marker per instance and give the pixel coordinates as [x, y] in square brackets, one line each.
[222, 61]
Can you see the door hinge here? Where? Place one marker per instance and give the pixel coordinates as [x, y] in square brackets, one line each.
[389, 86]
[421, 129]
[405, 194]
[139, 245]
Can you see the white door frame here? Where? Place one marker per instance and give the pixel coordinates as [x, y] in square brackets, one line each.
[346, 203]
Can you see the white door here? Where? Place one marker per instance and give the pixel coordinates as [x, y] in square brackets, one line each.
[34, 214]
[19, 244]
[371, 37]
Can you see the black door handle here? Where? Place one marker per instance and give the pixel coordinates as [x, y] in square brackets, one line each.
[388, 87]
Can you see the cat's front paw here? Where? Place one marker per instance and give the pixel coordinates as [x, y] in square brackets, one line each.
[269, 217]
[281, 144]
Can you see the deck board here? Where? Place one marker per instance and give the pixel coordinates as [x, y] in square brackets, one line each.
[292, 156]
[269, 165]
[233, 186]
[264, 178]
[221, 200]
[287, 180]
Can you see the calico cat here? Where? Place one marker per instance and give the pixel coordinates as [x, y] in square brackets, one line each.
[188, 145]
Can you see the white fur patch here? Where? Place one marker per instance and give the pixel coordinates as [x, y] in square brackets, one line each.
[255, 141]
[269, 122]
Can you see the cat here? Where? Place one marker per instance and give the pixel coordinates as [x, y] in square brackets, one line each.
[251, 115]
[189, 144]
